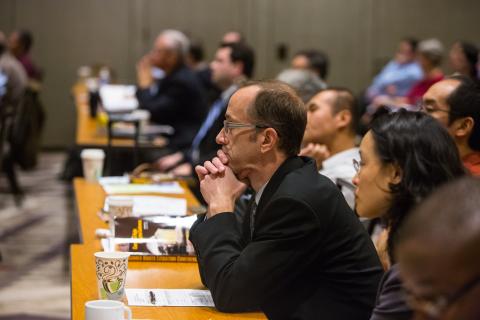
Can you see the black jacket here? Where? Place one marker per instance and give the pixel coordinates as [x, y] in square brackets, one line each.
[309, 258]
[178, 101]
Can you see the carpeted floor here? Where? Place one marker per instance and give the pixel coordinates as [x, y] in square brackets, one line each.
[34, 239]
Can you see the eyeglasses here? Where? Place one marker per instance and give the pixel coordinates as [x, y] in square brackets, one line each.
[357, 165]
[429, 109]
[228, 126]
[436, 306]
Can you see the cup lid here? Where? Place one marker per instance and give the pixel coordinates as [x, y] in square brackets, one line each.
[93, 153]
[112, 255]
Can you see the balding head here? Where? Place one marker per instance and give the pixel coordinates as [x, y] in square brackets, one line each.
[438, 247]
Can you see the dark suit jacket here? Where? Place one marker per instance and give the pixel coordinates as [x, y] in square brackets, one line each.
[309, 258]
[179, 102]
[391, 303]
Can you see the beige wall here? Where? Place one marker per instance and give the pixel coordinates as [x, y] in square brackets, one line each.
[359, 35]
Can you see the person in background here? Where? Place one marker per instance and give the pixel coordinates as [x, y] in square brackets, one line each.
[176, 99]
[331, 133]
[438, 253]
[196, 62]
[463, 58]
[232, 65]
[17, 79]
[314, 60]
[455, 103]
[399, 75]
[429, 56]
[403, 158]
[305, 82]
[20, 44]
[299, 252]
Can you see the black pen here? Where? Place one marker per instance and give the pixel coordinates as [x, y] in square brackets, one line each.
[152, 297]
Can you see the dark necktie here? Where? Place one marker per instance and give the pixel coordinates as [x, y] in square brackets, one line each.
[252, 217]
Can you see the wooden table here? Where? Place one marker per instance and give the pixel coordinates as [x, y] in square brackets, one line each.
[167, 275]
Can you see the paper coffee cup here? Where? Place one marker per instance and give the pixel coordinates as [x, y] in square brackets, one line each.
[111, 271]
[106, 310]
[92, 162]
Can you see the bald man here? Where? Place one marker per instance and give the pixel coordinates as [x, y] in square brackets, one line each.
[177, 98]
[438, 253]
[455, 102]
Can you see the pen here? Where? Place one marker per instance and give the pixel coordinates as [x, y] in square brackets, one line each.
[152, 297]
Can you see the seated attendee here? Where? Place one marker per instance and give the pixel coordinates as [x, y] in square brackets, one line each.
[300, 252]
[438, 253]
[463, 58]
[177, 99]
[314, 60]
[404, 157]
[330, 135]
[20, 44]
[455, 102]
[17, 79]
[233, 64]
[399, 75]
[429, 56]
[305, 82]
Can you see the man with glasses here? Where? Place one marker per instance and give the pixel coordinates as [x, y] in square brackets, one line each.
[299, 252]
[438, 253]
[455, 102]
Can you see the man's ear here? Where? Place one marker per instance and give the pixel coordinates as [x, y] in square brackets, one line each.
[269, 139]
[463, 127]
[343, 119]
[238, 65]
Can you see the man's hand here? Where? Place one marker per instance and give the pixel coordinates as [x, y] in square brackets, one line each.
[319, 152]
[219, 186]
[144, 72]
[169, 161]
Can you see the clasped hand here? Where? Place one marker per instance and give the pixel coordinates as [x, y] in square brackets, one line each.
[219, 185]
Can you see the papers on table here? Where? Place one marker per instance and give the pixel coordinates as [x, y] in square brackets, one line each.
[114, 180]
[169, 297]
[155, 205]
[165, 187]
[118, 98]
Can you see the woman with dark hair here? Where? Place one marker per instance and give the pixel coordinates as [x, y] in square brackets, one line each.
[404, 156]
[463, 58]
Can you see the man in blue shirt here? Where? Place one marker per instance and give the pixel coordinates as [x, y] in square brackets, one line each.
[399, 75]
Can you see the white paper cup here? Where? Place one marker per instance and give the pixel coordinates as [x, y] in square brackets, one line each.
[92, 162]
[111, 271]
[106, 310]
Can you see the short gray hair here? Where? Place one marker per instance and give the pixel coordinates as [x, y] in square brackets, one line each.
[432, 49]
[305, 82]
[177, 41]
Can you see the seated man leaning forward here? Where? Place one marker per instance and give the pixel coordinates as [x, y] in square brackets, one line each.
[300, 252]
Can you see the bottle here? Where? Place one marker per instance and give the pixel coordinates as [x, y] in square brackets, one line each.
[104, 76]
